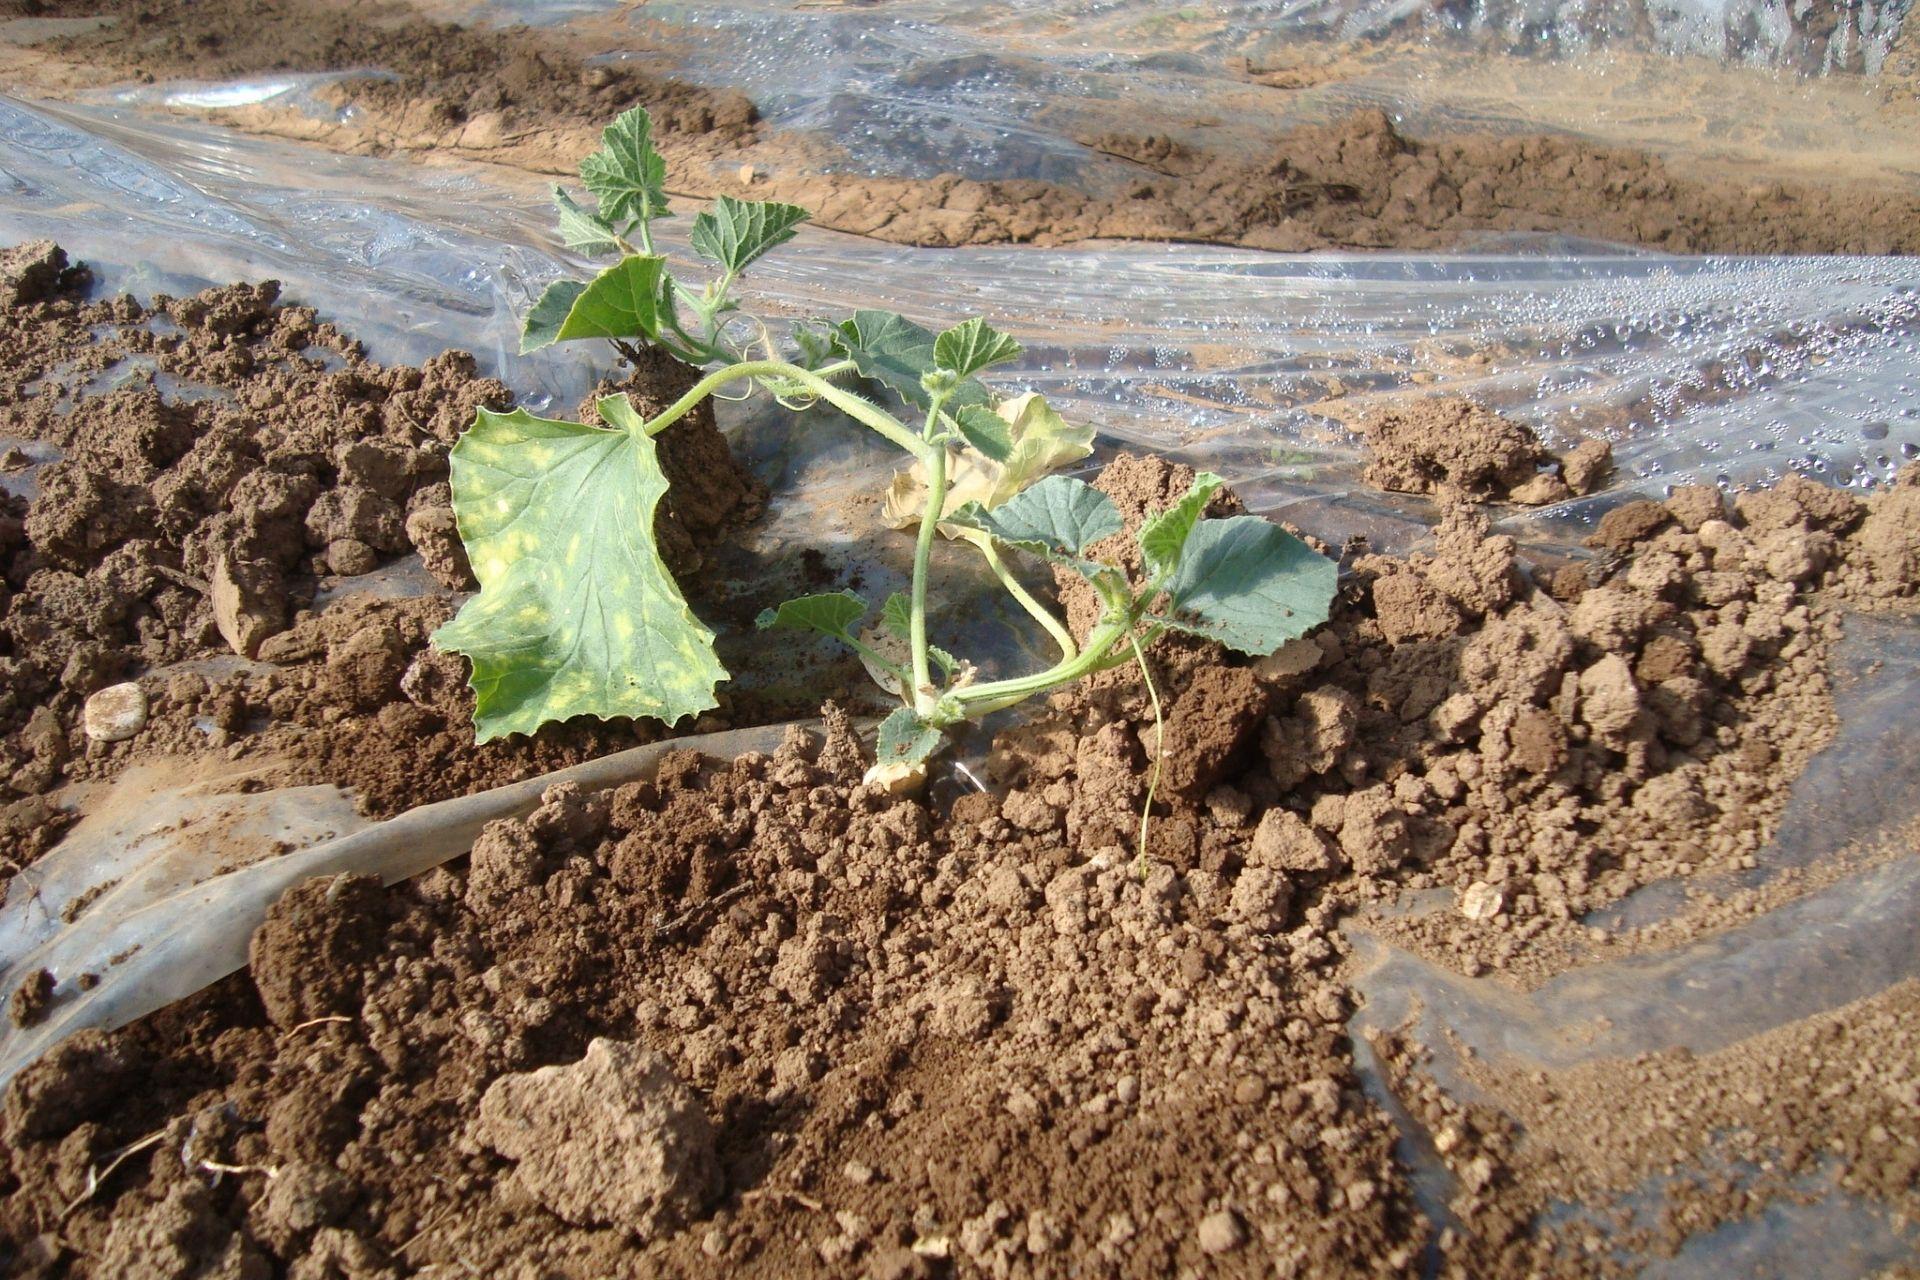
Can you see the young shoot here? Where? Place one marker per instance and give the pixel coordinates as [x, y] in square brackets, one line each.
[577, 613]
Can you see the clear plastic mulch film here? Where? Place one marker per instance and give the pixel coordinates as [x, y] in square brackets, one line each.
[1732, 371]
[1010, 88]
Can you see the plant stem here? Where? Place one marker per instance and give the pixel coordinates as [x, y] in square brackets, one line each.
[980, 699]
[936, 464]
[1015, 588]
[853, 406]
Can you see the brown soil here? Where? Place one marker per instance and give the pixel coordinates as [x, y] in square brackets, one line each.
[755, 1016]
[1453, 447]
[222, 458]
[1596, 1133]
[528, 98]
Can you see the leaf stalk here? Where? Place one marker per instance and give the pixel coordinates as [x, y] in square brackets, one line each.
[861, 410]
[923, 692]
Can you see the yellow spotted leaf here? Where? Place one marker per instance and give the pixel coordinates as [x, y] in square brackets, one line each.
[576, 614]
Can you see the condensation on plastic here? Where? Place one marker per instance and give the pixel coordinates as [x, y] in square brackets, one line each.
[1716, 369]
[1008, 88]
[1845, 942]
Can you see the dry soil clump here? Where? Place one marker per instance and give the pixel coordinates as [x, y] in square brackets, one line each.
[220, 460]
[1452, 447]
[930, 1037]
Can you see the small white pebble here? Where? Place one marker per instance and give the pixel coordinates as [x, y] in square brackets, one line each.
[116, 713]
[1481, 901]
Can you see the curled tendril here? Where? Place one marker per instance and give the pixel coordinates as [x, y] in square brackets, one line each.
[742, 348]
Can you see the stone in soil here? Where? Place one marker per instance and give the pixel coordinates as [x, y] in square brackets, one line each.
[115, 713]
[614, 1138]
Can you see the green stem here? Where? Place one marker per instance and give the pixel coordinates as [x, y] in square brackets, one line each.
[936, 464]
[853, 406]
[981, 699]
[1041, 614]
[1159, 750]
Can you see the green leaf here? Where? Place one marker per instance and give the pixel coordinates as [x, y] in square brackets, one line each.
[627, 175]
[583, 232]
[834, 612]
[973, 345]
[894, 351]
[542, 328]
[624, 301]
[1163, 536]
[888, 348]
[986, 431]
[735, 232]
[1057, 518]
[905, 738]
[897, 614]
[1249, 584]
[576, 614]
[813, 348]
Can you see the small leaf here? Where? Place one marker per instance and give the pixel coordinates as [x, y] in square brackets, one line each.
[1249, 584]
[834, 612]
[888, 348]
[986, 431]
[576, 614]
[627, 175]
[905, 738]
[1163, 536]
[624, 301]
[897, 617]
[973, 345]
[583, 232]
[1057, 518]
[542, 328]
[894, 351]
[897, 613]
[813, 347]
[735, 232]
